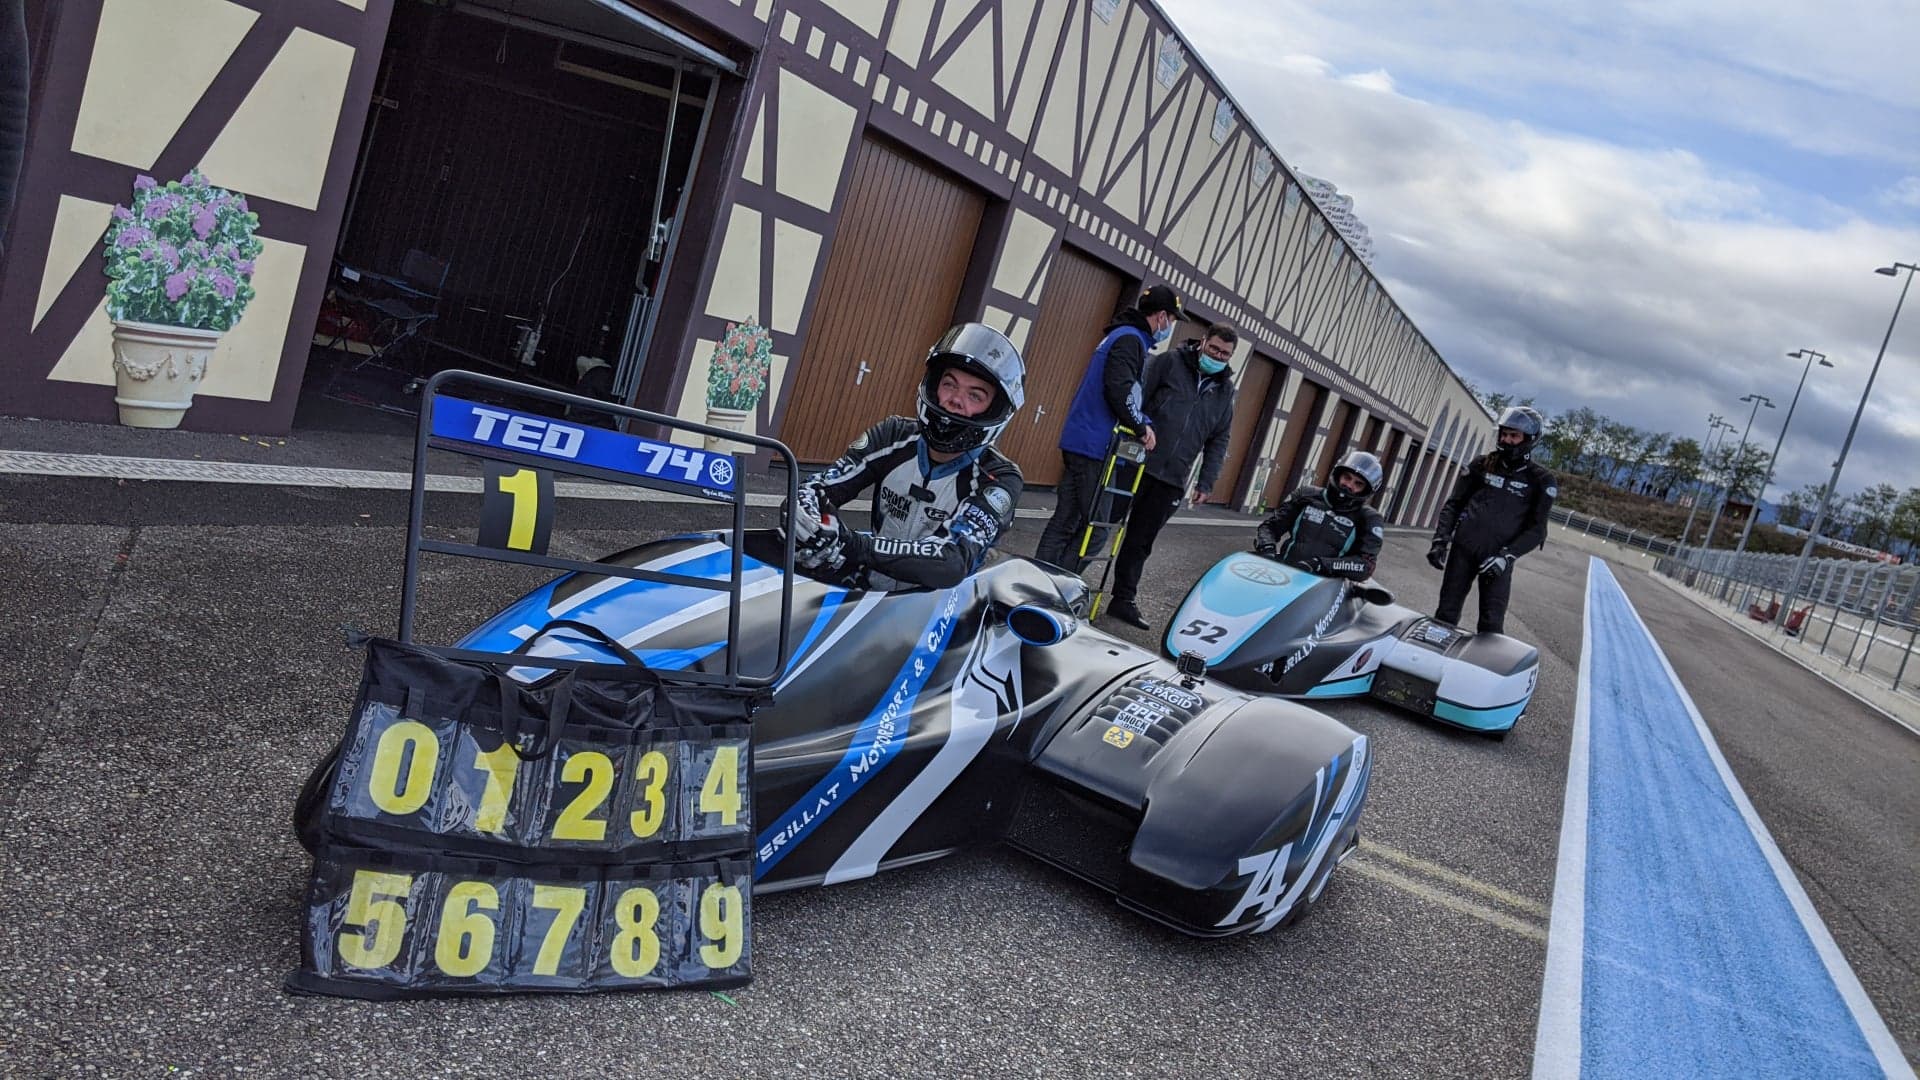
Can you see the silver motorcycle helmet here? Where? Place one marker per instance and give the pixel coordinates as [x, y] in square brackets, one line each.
[982, 351]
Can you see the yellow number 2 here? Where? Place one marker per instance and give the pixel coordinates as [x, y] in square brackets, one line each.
[636, 948]
[524, 486]
[375, 925]
[597, 770]
[720, 793]
[723, 922]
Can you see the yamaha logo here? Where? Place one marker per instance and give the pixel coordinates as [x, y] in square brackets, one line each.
[1260, 572]
[720, 471]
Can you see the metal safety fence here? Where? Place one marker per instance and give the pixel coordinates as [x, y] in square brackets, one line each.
[1619, 534]
[1859, 612]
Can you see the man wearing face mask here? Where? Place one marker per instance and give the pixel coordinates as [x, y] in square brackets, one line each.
[1189, 394]
[1496, 513]
[1109, 394]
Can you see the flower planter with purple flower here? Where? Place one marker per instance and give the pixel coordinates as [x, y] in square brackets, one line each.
[180, 265]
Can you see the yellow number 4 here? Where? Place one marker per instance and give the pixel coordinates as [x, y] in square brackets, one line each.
[720, 793]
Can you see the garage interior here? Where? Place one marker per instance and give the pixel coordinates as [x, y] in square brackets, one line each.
[514, 198]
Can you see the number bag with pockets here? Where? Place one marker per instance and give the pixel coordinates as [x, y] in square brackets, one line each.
[473, 833]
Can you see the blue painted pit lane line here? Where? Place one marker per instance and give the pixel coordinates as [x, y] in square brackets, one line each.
[1681, 944]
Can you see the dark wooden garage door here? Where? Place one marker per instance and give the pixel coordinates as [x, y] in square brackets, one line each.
[1078, 302]
[1338, 435]
[1289, 462]
[900, 255]
[1252, 403]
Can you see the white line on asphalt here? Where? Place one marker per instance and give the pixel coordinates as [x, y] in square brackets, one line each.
[1556, 1044]
[108, 466]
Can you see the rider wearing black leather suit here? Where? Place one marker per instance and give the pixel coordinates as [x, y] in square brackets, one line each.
[1496, 513]
[942, 494]
[1329, 531]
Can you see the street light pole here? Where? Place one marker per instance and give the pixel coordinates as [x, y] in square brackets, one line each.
[1775, 457]
[1833, 484]
[1715, 425]
[1733, 466]
[1713, 428]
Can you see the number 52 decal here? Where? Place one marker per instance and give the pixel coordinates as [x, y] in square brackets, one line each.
[1211, 633]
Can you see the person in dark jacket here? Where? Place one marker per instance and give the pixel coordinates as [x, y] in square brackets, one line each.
[1496, 513]
[1329, 531]
[1189, 395]
[1109, 394]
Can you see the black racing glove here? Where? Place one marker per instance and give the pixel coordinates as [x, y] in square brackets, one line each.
[1314, 565]
[1437, 554]
[1265, 550]
[1496, 565]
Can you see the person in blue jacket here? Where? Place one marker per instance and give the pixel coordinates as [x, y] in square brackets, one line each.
[1109, 394]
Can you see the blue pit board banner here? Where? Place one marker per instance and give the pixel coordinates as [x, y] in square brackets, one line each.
[601, 448]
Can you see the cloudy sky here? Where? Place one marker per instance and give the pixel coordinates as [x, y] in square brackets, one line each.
[1638, 207]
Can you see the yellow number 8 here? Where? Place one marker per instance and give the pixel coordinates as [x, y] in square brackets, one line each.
[636, 948]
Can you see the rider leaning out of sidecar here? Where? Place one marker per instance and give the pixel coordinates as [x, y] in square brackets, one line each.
[942, 494]
[1329, 531]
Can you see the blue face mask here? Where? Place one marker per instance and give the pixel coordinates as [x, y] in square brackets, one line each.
[1161, 335]
[1210, 366]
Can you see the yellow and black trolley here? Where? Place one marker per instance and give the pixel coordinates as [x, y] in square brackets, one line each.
[1106, 527]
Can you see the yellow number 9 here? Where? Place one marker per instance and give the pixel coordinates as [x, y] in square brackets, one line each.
[465, 941]
[392, 792]
[722, 922]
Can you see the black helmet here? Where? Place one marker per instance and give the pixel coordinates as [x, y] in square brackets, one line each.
[1525, 421]
[1361, 464]
[982, 351]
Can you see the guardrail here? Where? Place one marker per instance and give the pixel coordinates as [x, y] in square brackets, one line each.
[1619, 534]
[1868, 605]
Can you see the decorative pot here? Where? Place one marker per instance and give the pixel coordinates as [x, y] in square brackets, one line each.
[156, 369]
[722, 417]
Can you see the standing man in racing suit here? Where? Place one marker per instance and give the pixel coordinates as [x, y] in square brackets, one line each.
[1329, 531]
[942, 493]
[1496, 513]
[1109, 394]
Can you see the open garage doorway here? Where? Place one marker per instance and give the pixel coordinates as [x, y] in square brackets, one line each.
[514, 203]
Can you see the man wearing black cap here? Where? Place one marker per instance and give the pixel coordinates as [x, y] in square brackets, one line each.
[1109, 394]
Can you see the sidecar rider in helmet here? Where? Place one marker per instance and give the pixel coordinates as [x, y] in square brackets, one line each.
[1329, 531]
[942, 494]
[1496, 513]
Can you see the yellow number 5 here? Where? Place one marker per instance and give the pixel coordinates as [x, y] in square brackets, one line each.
[376, 924]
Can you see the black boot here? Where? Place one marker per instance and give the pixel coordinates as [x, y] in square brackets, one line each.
[1127, 613]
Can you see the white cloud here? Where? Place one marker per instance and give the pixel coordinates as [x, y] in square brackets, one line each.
[1904, 193]
[1651, 281]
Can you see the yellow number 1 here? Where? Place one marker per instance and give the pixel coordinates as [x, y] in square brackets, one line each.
[524, 486]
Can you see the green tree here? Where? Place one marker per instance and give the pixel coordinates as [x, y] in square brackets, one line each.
[1906, 520]
[1679, 468]
[1577, 430]
[1875, 509]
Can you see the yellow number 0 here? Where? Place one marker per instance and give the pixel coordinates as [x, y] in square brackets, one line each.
[723, 922]
[392, 792]
[524, 486]
[465, 941]
[636, 948]
[374, 904]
